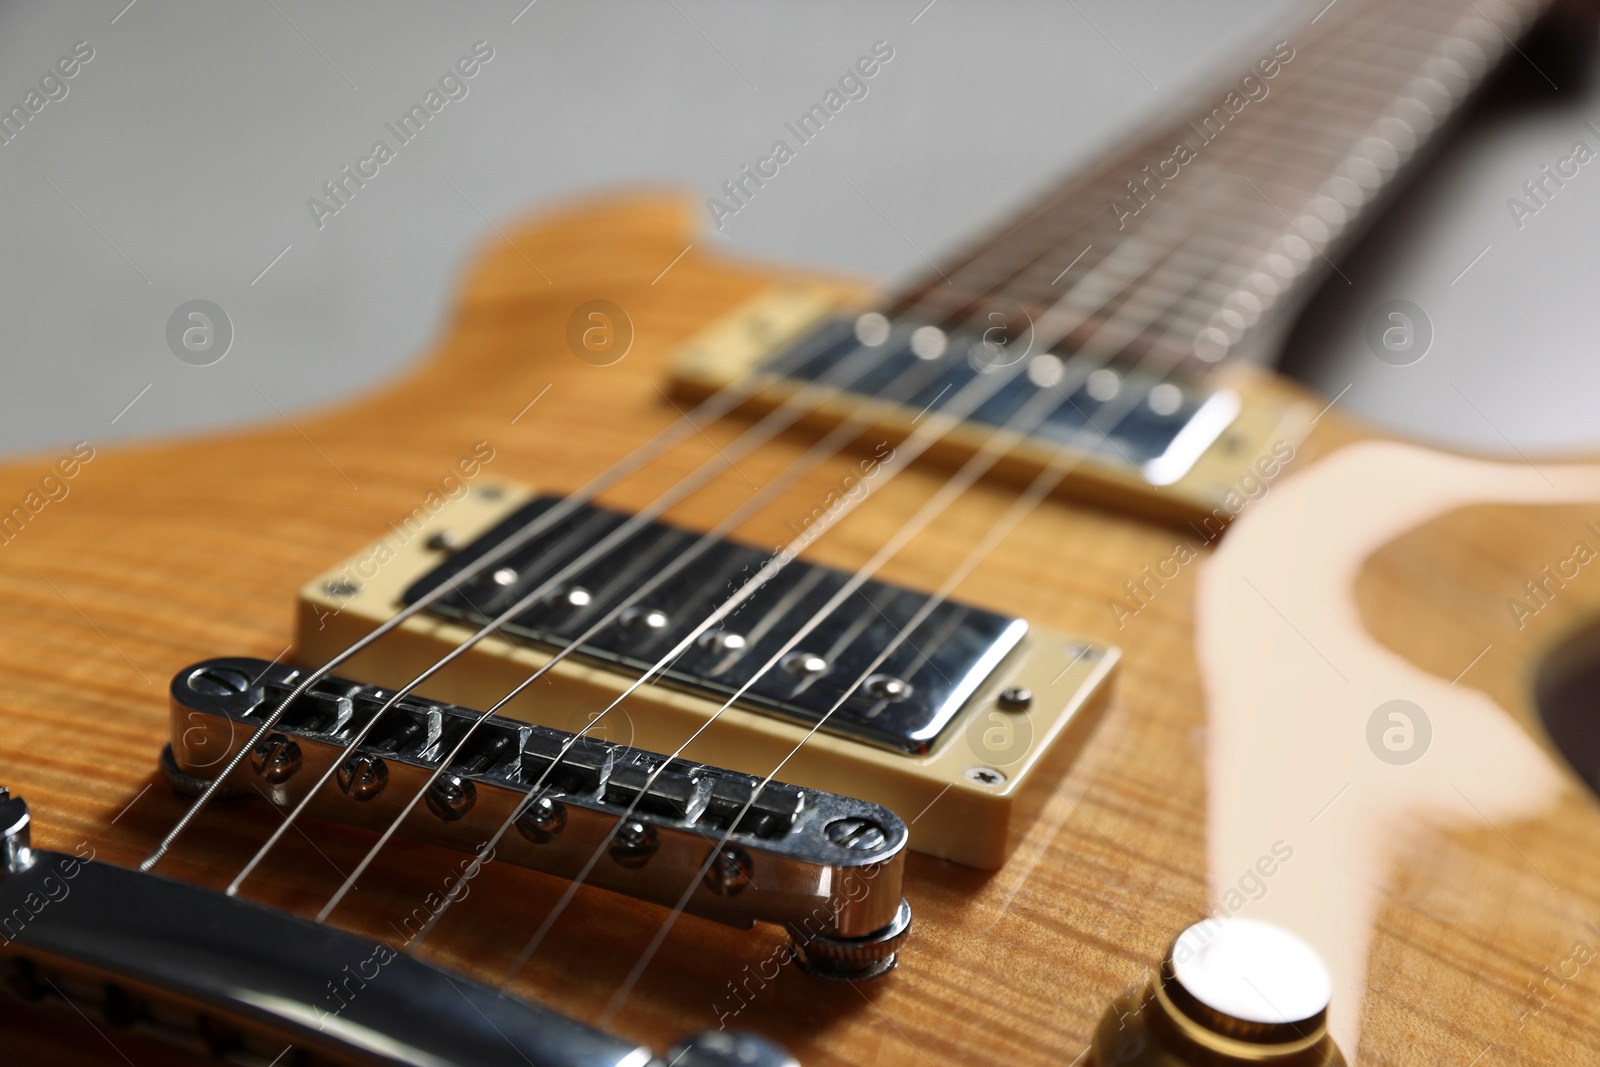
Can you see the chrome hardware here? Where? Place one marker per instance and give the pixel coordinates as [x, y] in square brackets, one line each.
[364, 776]
[645, 619]
[243, 981]
[16, 853]
[719, 1048]
[887, 687]
[276, 758]
[451, 796]
[341, 588]
[984, 776]
[503, 576]
[856, 833]
[795, 857]
[854, 958]
[804, 664]
[634, 844]
[543, 820]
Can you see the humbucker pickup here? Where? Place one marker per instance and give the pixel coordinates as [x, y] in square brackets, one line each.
[826, 867]
[951, 734]
[906, 705]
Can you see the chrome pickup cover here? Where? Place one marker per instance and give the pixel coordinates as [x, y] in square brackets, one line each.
[826, 866]
[905, 707]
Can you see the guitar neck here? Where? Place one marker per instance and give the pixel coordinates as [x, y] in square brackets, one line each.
[1197, 236]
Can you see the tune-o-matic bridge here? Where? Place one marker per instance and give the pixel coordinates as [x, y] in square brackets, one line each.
[825, 866]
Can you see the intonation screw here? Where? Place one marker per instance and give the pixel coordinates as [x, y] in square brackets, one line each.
[543, 820]
[276, 759]
[856, 834]
[364, 776]
[729, 873]
[634, 844]
[451, 796]
[1016, 698]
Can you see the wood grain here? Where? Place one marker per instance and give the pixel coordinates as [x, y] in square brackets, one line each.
[169, 553]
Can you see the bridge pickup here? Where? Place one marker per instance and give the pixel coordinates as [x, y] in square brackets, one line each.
[827, 867]
[914, 696]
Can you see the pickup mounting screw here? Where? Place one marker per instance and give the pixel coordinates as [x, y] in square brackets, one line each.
[543, 820]
[887, 687]
[804, 664]
[650, 620]
[364, 776]
[729, 873]
[1015, 698]
[451, 796]
[276, 759]
[984, 776]
[856, 834]
[444, 541]
[340, 587]
[634, 844]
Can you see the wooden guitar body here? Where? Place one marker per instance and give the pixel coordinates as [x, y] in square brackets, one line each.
[168, 553]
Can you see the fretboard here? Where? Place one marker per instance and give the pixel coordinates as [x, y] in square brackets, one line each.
[1191, 241]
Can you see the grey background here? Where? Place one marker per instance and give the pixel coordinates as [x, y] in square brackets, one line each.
[179, 164]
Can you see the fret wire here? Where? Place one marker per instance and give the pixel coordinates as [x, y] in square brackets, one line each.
[1385, 59]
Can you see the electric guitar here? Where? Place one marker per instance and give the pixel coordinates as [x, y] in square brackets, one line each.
[697, 662]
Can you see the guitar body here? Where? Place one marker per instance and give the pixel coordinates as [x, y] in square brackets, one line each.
[164, 554]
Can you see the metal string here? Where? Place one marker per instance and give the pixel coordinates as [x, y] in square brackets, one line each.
[712, 408]
[1080, 373]
[835, 383]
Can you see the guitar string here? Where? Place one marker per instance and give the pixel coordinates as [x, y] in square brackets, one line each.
[995, 448]
[350, 880]
[1038, 490]
[980, 388]
[714, 853]
[480, 567]
[282, 829]
[712, 408]
[800, 404]
[1063, 461]
[530, 794]
[830, 445]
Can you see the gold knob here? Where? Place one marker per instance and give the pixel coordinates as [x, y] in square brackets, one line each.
[1230, 991]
